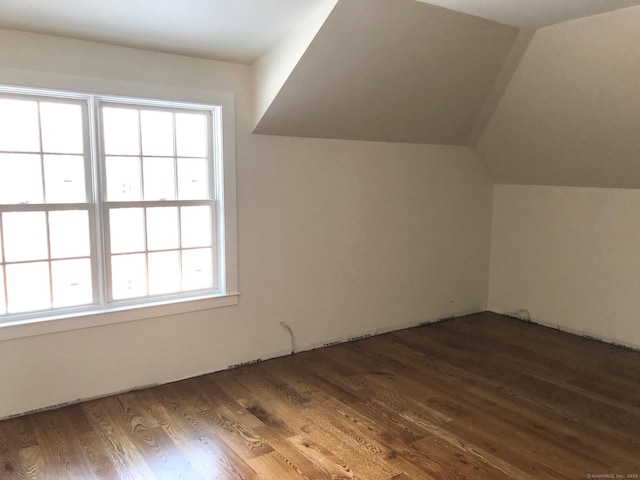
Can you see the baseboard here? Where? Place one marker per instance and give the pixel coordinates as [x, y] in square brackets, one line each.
[562, 328]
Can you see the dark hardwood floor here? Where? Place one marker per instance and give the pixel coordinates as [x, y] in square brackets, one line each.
[480, 397]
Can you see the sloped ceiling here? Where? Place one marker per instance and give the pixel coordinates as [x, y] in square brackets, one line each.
[533, 13]
[571, 114]
[274, 67]
[398, 71]
[558, 107]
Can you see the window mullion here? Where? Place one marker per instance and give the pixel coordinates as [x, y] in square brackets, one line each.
[140, 159]
[2, 266]
[44, 207]
[180, 249]
[160, 203]
[175, 155]
[41, 155]
[98, 179]
[146, 250]
[49, 260]
[144, 210]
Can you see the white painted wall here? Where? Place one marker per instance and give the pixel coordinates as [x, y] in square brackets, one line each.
[570, 256]
[337, 238]
[570, 114]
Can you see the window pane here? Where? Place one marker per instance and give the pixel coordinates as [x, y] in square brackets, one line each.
[197, 269]
[128, 276]
[127, 230]
[193, 181]
[159, 179]
[69, 233]
[157, 133]
[19, 126]
[164, 272]
[20, 178]
[196, 226]
[61, 127]
[3, 305]
[28, 287]
[25, 236]
[123, 179]
[191, 134]
[121, 133]
[72, 283]
[64, 179]
[162, 228]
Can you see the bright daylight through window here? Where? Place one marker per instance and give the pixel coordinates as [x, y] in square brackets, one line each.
[106, 202]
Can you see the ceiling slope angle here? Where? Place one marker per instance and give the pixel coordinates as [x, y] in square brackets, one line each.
[570, 115]
[533, 13]
[238, 31]
[273, 68]
[396, 71]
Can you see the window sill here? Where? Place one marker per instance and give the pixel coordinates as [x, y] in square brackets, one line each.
[55, 324]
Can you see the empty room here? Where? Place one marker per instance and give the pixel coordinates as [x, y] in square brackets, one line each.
[319, 239]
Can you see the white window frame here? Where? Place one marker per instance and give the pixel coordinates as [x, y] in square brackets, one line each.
[215, 185]
[221, 106]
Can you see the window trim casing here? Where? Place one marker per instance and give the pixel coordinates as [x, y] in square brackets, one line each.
[79, 88]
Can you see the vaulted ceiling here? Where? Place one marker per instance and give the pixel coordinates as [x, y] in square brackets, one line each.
[399, 71]
[555, 106]
[532, 13]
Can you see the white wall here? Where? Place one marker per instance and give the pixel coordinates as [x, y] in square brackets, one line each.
[337, 238]
[570, 114]
[570, 256]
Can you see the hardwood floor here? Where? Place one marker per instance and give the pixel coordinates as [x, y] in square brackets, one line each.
[479, 397]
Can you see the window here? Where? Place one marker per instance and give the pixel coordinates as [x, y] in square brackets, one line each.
[107, 202]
